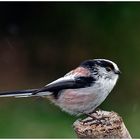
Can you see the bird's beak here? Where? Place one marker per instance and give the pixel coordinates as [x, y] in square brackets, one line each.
[118, 72]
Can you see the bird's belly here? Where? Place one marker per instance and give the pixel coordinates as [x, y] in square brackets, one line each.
[78, 101]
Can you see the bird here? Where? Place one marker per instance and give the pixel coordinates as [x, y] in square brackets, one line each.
[81, 90]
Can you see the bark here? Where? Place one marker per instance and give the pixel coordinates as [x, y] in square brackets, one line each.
[103, 124]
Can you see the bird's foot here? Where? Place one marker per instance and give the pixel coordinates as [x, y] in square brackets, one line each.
[94, 118]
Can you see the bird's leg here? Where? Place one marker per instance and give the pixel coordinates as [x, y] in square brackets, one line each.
[91, 114]
[94, 119]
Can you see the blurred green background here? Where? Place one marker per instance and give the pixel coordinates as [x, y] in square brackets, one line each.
[41, 41]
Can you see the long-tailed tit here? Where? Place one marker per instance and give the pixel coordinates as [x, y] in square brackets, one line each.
[81, 90]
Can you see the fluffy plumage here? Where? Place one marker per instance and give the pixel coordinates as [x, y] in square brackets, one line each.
[79, 91]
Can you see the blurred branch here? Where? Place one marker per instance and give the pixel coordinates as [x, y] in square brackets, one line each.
[103, 124]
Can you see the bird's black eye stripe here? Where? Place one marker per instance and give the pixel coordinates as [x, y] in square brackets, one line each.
[108, 69]
[91, 64]
[106, 65]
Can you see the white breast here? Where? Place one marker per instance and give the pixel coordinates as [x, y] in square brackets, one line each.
[85, 100]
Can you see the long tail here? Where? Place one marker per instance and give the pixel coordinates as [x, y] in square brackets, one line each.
[22, 93]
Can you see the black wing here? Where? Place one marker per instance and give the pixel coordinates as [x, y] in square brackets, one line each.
[62, 83]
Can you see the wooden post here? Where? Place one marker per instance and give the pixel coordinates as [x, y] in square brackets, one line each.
[103, 124]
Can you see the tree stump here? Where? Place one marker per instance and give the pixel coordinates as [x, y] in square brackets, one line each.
[103, 124]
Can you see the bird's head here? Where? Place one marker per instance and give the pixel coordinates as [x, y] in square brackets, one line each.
[102, 68]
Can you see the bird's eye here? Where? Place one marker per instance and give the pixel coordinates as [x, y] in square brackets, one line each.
[108, 69]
